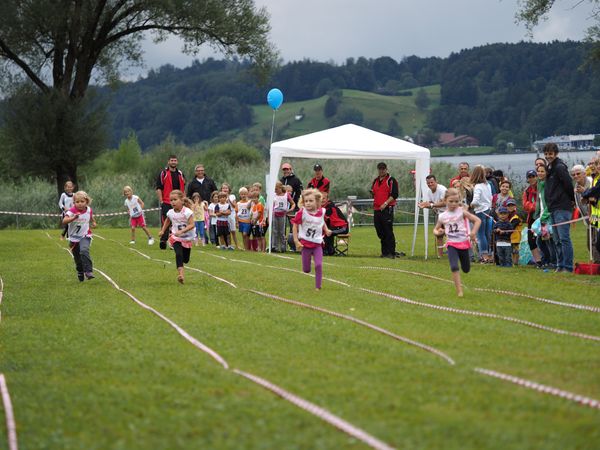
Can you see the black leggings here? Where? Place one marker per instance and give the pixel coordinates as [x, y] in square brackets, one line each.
[455, 255]
[182, 254]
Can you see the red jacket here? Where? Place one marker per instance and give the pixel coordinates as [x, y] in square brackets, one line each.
[382, 190]
[165, 183]
[529, 200]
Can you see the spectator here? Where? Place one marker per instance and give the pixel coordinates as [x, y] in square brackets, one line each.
[201, 184]
[560, 198]
[169, 179]
[482, 204]
[529, 202]
[582, 184]
[290, 179]
[501, 197]
[544, 238]
[335, 220]
[463, 171]
[434, 200]
[385, 192]
[319, 182]
[489, 176]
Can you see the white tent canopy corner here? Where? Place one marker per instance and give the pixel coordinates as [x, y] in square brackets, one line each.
[352, 142]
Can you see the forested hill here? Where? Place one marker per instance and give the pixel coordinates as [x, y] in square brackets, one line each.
[498, 91]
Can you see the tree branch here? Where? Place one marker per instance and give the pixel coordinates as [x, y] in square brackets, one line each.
[24, 66]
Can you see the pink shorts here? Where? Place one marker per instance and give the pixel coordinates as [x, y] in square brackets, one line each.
[138, 221]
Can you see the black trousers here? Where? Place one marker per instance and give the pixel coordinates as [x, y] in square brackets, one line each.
[182, 254]
[384, 226]
[164, 209]
[328, 240]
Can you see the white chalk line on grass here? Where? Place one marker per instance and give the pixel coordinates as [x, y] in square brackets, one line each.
[9, 414]
[496, 291]
[482, 314]
[1, 295]
[359, 322]
[223, 280]
[319, 412]
[580, 399]
[192, 340]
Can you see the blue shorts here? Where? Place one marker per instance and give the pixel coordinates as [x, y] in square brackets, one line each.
[244, 227]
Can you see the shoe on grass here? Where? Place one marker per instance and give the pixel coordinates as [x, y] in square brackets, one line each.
[89, 275]
[132, 242]
[151, 241]
[163, 245]
[80, 276]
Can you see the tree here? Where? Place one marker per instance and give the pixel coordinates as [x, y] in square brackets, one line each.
[331, 107]
[531, 12]
[394, 128]
[422, 99]
[60, 45]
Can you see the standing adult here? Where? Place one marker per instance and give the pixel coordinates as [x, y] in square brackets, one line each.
[482, 204]
[434, 200]
[385, 192]
[582, 184]
[201, 184]
[463, 171]
[319, 182]
[290, 179]
[560, 198]
[168, 180]
[530, 196]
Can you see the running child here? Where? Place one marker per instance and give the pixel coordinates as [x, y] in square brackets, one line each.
[243, 210]
[223, 210]
[65, 202]
[181, 220]
[199, 208]
[135, 206]
[80, 220]
[454, 223]
[308, 229]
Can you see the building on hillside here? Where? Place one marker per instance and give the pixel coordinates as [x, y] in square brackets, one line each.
[451, 140]
[568, 142]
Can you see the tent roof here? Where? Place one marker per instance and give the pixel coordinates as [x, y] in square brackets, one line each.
[349, 142]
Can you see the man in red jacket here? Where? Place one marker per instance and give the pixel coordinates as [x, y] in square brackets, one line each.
[168, 180]
[319, 182]
[385, 192]
[530, 197]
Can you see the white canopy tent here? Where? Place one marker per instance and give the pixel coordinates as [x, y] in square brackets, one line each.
[352, 142]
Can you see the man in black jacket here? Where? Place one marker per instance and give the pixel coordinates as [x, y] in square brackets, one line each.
[201, 184]
[560, 198]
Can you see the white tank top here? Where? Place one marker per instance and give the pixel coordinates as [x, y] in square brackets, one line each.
[281, 203]
[243, 211]
[311, 228]
[134, 207]
[179, 220]
[456, 225]
[80, 227]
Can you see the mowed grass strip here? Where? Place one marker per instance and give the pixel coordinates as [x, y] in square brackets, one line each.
[115, 364]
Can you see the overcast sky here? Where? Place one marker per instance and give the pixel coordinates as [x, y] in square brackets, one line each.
[333, 30]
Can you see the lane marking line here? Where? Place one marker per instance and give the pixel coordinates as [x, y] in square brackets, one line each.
[10, 417]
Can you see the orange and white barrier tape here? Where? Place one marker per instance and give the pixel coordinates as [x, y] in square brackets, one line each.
[8, 412]
[359, 322]
[585, 401]
[319, 412]
[482, 314]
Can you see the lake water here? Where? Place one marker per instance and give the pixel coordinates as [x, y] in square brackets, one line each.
[514, 165]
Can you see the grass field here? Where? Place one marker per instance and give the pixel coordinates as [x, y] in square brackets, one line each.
[88, 368]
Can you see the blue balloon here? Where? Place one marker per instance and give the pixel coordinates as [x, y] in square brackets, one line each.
[275, 98]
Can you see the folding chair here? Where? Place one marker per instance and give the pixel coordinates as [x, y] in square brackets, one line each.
[341, 244]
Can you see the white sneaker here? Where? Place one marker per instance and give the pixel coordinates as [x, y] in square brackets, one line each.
[151, 241]
[132, 242]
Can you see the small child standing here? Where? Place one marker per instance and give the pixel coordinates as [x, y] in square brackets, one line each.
[503, 230]
[199, 207]
[308, 229]
[135, 206]
[223, 210]
[282, 204]
[212, 230]
[243, 210]
[181, 220]
[454, 223]
[65, 202]
[80, 220]
[517, 223]
[258, 223]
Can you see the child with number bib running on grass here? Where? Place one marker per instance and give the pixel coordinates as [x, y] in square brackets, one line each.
[135, 206]
[80, 220]
[181, 220]
[454, 222]
[308, 228]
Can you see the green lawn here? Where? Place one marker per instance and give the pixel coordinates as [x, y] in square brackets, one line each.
[87, 368]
